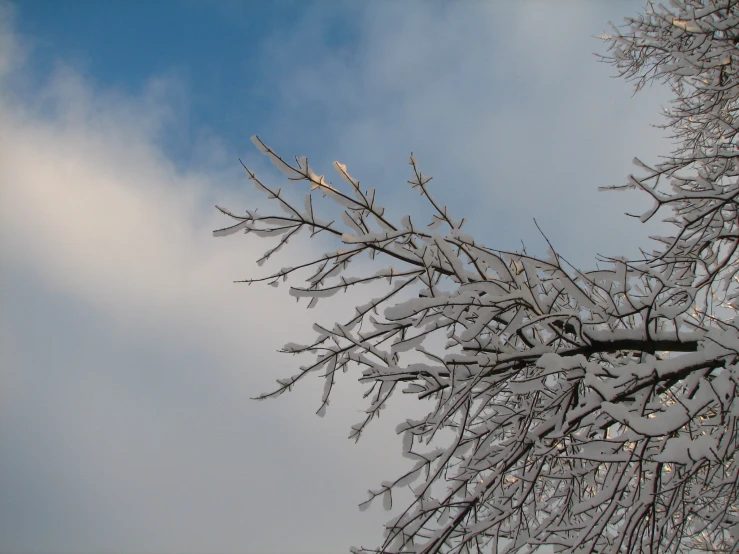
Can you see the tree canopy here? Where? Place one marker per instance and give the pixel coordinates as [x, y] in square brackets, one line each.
[592, 411]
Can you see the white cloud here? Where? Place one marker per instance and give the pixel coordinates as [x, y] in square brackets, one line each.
[143, 417]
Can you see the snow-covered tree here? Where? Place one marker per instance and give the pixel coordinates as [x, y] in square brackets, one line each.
[593, 411]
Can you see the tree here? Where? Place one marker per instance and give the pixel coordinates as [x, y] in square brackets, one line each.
[593, 411]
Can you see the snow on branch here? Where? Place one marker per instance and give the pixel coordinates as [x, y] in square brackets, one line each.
[592, 411]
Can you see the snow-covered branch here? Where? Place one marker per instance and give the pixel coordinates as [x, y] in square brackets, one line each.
[589, 410]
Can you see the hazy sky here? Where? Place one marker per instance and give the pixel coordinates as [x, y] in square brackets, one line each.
[127, 354]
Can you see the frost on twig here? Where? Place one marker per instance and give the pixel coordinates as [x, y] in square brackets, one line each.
[593, 411]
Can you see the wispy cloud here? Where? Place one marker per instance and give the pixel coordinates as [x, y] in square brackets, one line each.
[505, 105]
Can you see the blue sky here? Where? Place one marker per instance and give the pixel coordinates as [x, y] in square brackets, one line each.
[122, 45]
[127, 354]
